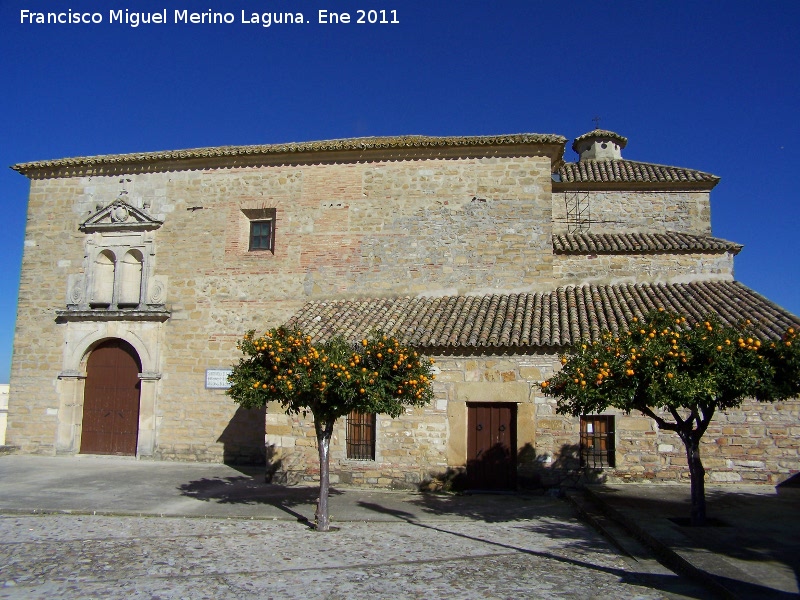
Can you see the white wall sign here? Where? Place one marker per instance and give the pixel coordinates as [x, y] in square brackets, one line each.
[217, 379]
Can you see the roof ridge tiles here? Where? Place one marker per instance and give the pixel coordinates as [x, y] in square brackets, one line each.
[533, 321]
[447, 323]
[510, 317]
[486, 329]
[521, 328]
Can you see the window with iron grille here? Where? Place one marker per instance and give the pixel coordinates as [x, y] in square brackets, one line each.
[361, 436]
[597, 441]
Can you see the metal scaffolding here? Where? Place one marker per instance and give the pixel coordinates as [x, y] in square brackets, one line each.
[578, 215]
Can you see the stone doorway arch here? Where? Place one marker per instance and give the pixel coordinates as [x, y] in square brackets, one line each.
[112, 390]
[82, 338]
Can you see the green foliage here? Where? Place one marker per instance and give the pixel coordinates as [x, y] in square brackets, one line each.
[664, 363]
[679, 375]
[784, 356]
[330, 379]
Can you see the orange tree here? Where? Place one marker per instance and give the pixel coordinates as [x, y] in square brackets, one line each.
[678, 375]
[330, 380]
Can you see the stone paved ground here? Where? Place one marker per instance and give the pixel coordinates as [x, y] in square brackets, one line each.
[69, 556]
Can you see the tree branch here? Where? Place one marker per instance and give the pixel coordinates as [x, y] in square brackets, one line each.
[662, 424]
[694, 417]
[680, 423]
[708, 414]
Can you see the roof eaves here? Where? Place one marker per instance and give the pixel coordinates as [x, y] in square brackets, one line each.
[366, 144]
[627, 174]
[641, 243]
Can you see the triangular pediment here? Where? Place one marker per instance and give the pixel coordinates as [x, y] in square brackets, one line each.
[120, 216]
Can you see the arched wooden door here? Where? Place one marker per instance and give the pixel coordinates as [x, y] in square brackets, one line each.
[111, 400]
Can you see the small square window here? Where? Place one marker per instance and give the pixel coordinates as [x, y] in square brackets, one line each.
[262, 234]
[261, 228]
[597, 441]
[361, 436]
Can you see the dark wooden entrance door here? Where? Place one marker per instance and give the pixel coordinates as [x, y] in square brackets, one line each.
[111, 400]
[491, 446]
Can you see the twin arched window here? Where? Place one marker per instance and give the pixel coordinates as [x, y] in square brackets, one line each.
[117, 282]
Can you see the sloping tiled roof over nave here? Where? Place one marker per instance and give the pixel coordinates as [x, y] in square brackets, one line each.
[549, 319]
[635, 243]
[628, 171]
[406, 142]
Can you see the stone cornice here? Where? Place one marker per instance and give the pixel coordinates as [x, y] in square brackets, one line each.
[120, 216]
[65, 316]
[331, 151]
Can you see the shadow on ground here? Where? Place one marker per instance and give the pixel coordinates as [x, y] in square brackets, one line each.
[491, 508]
[763, 529]
[753, 529]
[551, 524]
[249, 490]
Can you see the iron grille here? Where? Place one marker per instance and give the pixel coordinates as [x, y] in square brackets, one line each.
[597, 441]
[361, 436]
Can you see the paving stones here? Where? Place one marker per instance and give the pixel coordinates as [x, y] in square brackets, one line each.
[66, 556]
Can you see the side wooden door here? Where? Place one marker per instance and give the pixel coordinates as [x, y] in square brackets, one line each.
[491, 446]
[111, 400]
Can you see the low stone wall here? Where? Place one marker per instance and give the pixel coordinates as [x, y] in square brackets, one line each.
[406, 450]
[601, 269]
[757, 443]
[639, 210]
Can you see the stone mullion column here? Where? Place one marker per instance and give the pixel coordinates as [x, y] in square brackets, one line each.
[70, 412]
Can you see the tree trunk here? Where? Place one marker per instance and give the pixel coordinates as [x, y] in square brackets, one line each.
[697, 477]
[323, 444]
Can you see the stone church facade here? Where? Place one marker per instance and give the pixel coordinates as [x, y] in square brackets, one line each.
[490, 254]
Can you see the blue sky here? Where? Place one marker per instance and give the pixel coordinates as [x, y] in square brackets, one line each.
[713, 86]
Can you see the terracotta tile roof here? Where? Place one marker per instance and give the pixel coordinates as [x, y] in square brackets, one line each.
[606, 171]
[548, 319]
[625, 243]
[351, 144]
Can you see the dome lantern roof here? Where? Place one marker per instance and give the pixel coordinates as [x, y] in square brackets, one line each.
[599, 144]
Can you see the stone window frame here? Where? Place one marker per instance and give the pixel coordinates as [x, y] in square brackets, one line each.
[597, 441]
[116, 285]
[259, 216]
[117, 277]
[82, 287]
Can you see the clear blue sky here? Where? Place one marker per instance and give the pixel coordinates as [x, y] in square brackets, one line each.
[713, 86]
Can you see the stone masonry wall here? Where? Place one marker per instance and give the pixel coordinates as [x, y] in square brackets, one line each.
[53, 249]
[640, 211]
[601, 269]
[756, 443]
[407, 448]
[424, 444]
[342, 230]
